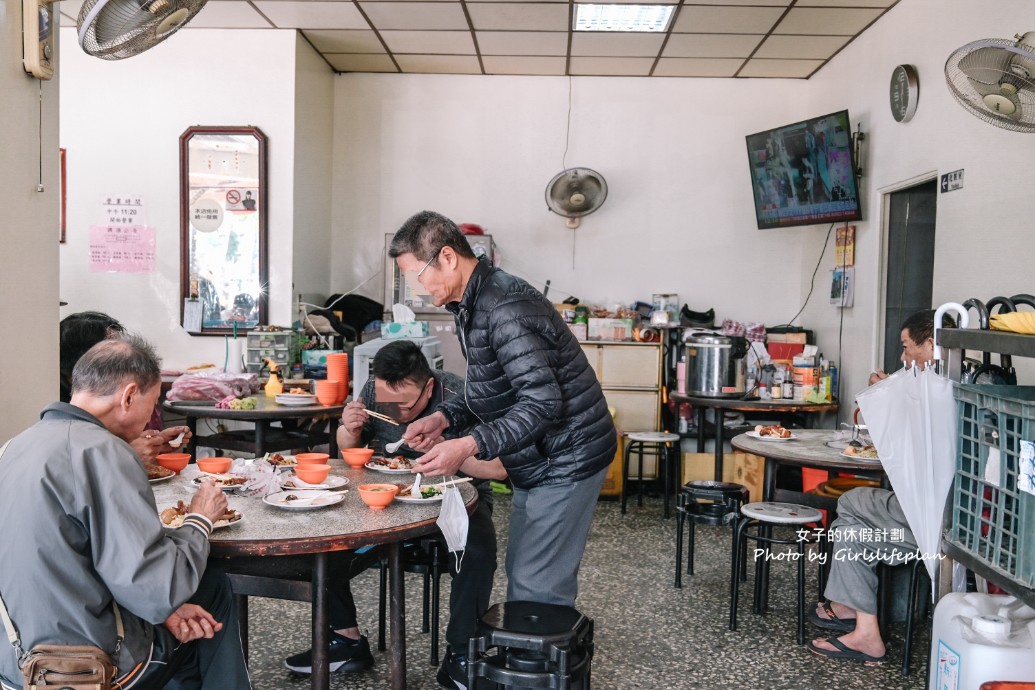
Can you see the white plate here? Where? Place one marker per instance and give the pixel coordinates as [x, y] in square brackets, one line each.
[162, 479]
[332, 482]
[386, 470]
[295, 400]
[860, 458]
[221, 524]
[306, 500]
[437, 498]
[755, 434]
[216, 480]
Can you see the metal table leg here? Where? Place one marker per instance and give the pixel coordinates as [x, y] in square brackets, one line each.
[397, 616]
[321, 676]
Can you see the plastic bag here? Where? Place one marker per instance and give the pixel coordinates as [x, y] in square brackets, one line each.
[453, 520]
[213, 386]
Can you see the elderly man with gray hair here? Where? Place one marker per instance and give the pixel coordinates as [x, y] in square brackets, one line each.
[90, 548]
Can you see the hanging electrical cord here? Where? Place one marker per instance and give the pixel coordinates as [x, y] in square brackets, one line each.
[567, 132]
[39, 184]
[812, 285]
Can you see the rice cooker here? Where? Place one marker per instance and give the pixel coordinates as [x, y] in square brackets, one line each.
[716, 364]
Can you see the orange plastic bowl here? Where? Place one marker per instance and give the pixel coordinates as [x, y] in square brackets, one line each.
[174, 461]
[312, 474]
[215, 465]
[377, 496]
[357, 457]
[312, 459]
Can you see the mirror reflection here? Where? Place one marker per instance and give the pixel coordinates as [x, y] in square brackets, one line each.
[223, 228]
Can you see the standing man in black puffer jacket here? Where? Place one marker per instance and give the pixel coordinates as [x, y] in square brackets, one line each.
[531, 399]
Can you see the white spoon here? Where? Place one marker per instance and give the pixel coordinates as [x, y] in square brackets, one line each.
[392, 447]
[175, 443]
[415, 489]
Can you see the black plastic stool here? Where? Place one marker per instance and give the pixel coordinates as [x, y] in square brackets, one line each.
[704, 503]
[663, 446]
[536, 646]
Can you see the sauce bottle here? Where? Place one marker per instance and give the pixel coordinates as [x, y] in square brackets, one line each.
[273, 386]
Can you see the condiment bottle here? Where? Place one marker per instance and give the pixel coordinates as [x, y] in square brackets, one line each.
[273, 386]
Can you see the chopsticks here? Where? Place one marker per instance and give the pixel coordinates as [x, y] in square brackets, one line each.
[382, 417]
[451, 482]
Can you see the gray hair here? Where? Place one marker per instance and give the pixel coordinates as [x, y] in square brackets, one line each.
[424, 235]
[111, 364]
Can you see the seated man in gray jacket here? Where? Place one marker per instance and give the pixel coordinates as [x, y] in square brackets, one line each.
[89, 537]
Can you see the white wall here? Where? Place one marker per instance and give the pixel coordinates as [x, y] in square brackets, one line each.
[28, 233]
[678, 217]
[984, 231]
[314, 130]
[121, 125]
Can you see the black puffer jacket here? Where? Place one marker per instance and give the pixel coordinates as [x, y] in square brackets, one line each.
[530, 394]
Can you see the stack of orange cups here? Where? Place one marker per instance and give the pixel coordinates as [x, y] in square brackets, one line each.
[338, 370]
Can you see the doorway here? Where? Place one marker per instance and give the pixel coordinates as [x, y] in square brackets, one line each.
[909, 278]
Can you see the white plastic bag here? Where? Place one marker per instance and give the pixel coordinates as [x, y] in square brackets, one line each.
[911, 416]
[454, 521]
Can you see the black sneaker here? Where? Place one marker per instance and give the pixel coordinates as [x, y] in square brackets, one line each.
[344, 655]
[453, 672]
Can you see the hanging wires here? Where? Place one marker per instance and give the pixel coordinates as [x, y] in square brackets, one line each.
[812, 284]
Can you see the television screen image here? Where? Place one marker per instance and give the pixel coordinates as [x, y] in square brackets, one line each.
[803, 174]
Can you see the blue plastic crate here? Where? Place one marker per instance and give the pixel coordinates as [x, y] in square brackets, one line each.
[992, 518]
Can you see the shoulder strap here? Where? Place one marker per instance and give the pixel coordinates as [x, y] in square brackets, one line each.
[12, 632]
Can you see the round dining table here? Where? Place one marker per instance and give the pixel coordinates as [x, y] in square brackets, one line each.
[266, 530]
[814, 448]
[299, 425]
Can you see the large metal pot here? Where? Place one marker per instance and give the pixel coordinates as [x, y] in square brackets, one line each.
[716, 365]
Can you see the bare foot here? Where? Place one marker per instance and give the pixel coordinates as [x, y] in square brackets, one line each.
[853, 640]
[845, 613]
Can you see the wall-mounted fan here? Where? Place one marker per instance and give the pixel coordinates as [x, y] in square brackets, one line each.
[117, 29]
[574, 193]
[994, 79]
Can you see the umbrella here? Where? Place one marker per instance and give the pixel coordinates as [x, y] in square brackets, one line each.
[911, 417]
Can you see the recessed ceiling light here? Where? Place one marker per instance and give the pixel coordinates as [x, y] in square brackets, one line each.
[613, 17]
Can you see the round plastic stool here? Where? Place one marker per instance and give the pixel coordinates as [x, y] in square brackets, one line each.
[705, 503]
[763, 516]
[536, 646]
[661, 445]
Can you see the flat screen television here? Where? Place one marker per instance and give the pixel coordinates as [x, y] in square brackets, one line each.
[803, 174]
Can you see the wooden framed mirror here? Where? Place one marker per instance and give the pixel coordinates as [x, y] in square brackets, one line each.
[223, 209]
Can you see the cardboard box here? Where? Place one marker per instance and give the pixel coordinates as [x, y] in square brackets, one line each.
[610, 329]
[612, 485]
[739, 468]
[414, 329]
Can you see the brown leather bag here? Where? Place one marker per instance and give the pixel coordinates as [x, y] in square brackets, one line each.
[67, 667]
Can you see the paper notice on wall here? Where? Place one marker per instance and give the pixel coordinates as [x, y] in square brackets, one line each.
[122, 249]
[122, 209]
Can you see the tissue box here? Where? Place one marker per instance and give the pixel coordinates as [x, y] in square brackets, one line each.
[316, 358]
[610, 329]
[414, 329]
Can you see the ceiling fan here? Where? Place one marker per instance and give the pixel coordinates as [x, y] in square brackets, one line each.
[574, 193]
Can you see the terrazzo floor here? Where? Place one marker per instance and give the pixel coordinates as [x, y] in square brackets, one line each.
[648, 634]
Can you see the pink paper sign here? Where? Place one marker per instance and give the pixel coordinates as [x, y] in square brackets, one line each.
[122, 248]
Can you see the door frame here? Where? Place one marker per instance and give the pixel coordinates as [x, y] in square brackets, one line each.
[880, 297]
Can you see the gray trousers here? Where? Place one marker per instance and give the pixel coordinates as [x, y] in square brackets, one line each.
[549, 526]
[870, 528]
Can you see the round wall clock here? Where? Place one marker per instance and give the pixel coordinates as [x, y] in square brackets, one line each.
[905, 92]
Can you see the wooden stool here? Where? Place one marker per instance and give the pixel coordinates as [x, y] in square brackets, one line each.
[660, 444]
[763, 516]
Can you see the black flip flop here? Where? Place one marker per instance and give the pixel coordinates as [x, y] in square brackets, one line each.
[831, 622]
[845, 652]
